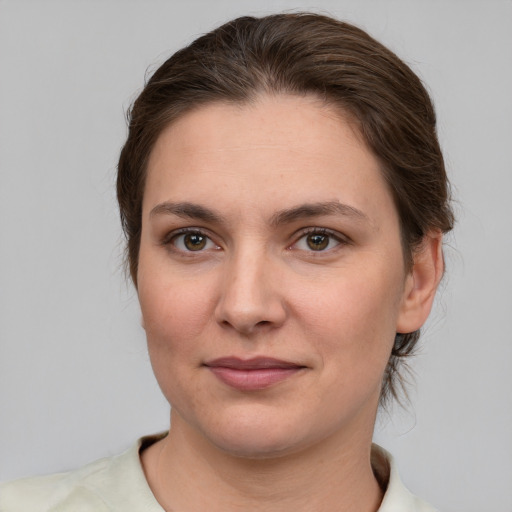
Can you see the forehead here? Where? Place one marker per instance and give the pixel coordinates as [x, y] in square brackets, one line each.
[286, 148]
[294, 123]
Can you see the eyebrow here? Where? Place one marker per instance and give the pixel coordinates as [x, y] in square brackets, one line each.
[187, 211]
[197, 212]
[316, 210]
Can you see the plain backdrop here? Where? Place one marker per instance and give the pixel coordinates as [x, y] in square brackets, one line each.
[75, 380]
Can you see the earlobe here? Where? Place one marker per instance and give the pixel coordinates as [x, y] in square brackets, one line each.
[421, 284]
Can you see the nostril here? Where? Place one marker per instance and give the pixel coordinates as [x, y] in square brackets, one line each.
[251, 313]
[245, 327]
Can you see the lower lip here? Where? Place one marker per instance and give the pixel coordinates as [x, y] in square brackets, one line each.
[252, 380]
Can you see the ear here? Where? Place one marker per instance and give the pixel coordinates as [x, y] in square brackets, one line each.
[421, 284]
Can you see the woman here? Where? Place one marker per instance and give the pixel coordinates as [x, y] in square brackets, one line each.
[284, 198]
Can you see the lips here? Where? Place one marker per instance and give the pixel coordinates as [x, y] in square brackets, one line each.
[252, 374]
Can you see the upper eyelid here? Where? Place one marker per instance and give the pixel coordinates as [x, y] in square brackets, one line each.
[168, 238]
[323, 231]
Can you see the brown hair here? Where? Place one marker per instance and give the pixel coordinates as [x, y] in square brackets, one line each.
[300, 54]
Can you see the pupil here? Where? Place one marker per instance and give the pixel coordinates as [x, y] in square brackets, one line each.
[195, 242]
[318, 242]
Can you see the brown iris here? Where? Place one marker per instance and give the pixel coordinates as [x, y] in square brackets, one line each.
[317, 242]
[194, 241]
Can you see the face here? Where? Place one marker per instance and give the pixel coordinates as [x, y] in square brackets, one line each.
[271, 276]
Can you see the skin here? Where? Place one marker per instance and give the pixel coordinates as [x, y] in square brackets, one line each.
[256, 288]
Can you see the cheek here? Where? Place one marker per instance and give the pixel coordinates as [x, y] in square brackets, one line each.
[176, 314]
[174, 319]
[173, 314]
[353, 321]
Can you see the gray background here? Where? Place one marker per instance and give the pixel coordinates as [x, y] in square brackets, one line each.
[75, 382]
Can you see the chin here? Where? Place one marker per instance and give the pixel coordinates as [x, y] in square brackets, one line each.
[256, 447]
[258, 436]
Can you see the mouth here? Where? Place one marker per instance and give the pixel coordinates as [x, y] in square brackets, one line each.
[252, 374]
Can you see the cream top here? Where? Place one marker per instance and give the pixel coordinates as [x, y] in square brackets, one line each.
[118, 484]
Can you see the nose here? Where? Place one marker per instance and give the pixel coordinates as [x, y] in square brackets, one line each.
[251, 298]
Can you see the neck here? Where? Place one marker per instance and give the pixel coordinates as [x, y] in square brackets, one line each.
[186, 472]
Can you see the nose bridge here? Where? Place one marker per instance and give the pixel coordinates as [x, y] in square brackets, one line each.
[250, 296]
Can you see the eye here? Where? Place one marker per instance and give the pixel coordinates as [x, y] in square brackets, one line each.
[318, 240]
[193, 241]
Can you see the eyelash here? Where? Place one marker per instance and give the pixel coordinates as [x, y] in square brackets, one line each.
[169, 239]
[340, 239]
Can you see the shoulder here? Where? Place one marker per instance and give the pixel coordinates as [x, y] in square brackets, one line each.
[397, 498]
[50, 492]
[113, 483]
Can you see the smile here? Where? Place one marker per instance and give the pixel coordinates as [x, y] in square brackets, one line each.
[252, 374]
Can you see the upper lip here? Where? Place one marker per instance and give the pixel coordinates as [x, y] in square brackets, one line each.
[255, 363]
